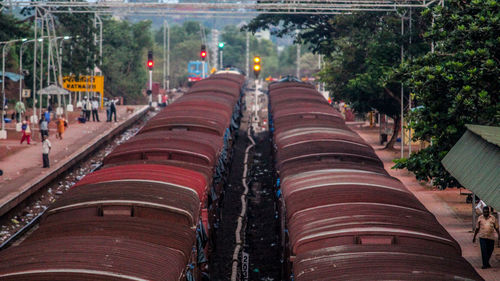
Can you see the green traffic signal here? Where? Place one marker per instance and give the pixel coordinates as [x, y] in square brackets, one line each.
[221, 45]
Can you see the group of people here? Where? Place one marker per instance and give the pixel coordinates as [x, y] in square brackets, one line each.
[91, 107]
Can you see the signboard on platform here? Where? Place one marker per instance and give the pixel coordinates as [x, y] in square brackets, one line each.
[84, 84]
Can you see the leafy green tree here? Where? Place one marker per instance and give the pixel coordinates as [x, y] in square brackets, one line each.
[82, 52]
[360, 50]
[456, 85]
[124, 57]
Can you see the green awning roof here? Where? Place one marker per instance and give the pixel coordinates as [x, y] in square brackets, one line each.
[488, 133]
[475, 162]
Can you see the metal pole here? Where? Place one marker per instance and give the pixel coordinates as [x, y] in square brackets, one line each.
[203, 70]
[168, 57]
[164, 53]
[41, 67]
[34, 67]
[409, 94]
[402, 91]
[298, 61]
[248, 55]
[151, 86]
[3, 86]
[221, 59]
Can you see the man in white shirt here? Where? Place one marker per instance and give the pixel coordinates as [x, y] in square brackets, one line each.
[46, 146]
[95, 107]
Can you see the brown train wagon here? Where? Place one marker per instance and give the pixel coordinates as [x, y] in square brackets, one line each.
[166, 174]
[379, 262]
[341, 133]
[203, 97]
[224, 86]
[161, 201]
[298, 98]
[309, 116]
[189, 120]
[186, 150]
[328, 165]
[206, 102]
[332, 193]
[209, 108]
[319, 149]
[83, 258]
[285, 92]
[238, 78]
[364, 223]
[212, 92]
[279, 85]
[206, 171]
[177, 237]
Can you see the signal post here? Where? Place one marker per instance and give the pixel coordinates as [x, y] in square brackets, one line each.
[150, 66]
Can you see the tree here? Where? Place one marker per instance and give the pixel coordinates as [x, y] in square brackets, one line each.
[456, 85]
[360, 49]
[83, 53]
[124, 58]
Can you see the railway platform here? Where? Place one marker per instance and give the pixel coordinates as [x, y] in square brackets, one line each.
[448, 206]
[22, 164]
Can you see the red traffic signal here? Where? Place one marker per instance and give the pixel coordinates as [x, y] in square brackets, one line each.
[150, 60]
[203, 52]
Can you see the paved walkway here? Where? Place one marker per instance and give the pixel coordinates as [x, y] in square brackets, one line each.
[23, 167]
[448, 206]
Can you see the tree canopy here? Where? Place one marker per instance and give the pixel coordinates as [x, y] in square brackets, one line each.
[456, 85]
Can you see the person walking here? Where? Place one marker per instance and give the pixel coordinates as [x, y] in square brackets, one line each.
[25, 127]
[46, 147]
[95, 107]
[486, 225]
[61, 125]
[44, 127]
[112, 107]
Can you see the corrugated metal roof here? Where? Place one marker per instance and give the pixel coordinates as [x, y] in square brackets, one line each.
[489, 133]
[475, 163]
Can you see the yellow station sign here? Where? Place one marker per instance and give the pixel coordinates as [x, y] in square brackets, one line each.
[84, 84]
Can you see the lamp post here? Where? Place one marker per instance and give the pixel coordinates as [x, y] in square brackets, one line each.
[21, 62]
[166, 37]
[3, 134]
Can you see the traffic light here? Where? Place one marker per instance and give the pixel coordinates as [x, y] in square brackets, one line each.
[221, 45]
[256, 66]
[150, 60]
[203, 52]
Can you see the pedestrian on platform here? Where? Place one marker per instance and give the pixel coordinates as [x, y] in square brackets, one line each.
[46, 146]
[25, 127]
[20, 110]
[112, 108]
[486, 227]
[107, 104]
[47, 116]
[95, 107]
[44, 127]
[87, 107]
[61, 126]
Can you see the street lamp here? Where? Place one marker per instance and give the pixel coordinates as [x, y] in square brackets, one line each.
[3, 133]
[166, 43]
[21, 62]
